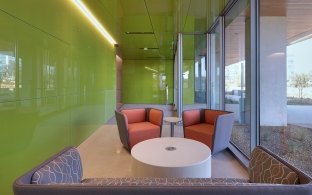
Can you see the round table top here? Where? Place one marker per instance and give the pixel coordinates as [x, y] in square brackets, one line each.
[171, 152]
[172, 119]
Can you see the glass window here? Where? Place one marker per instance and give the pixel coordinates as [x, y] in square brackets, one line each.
[237, 73]
[215, 67]
[200, 80]
[285, 80]
[194, 71]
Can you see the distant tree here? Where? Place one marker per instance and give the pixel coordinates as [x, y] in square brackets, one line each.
[301, 81]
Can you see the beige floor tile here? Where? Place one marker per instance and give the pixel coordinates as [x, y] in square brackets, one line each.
[104, 156]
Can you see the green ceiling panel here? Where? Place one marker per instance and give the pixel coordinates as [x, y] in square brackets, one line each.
[139, 41]
[197, 14]
[137, 24]
[133, 7]
[159, 17]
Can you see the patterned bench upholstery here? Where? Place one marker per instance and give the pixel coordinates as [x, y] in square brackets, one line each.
[65, 168]
[61, 174]
[165, 181]
[264, 168]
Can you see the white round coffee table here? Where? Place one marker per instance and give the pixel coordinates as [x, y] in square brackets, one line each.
[172, 121]
[171, 157]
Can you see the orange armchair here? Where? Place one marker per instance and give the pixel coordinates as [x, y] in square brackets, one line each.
[211, 127]
[136, 125]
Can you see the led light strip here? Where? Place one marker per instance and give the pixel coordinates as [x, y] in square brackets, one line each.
[150, 69]
[94, 21]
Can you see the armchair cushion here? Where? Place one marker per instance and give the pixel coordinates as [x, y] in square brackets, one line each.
[191, 117]
[264, 168]
[135, 115]
[202, 132]
[142, 131]
[66, 168]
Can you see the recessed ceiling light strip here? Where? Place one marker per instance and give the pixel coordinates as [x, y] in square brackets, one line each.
[139, 33]
[148, 48]
[94, 21]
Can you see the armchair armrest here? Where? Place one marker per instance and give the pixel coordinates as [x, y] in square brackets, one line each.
[223, 130]
[122, 124]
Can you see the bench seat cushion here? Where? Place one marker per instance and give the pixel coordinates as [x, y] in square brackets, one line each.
[152, 181]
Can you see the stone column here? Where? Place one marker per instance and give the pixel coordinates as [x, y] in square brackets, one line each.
[273, 71]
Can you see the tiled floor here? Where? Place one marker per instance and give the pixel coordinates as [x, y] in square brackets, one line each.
[104, 156]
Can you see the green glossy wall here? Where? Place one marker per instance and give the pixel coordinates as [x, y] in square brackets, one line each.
[57, 81]
[144, 81]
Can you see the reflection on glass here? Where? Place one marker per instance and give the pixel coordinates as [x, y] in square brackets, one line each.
[200, 81]
[188, 70]
[7, 70]
[49, 71]
[194, 71]
[20, 70]
[236, 73]
[215, 68]
[286, 81]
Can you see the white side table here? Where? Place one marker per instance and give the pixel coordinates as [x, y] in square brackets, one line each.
[172, 121]
[171, 157]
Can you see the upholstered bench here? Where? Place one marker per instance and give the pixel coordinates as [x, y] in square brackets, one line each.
[62, 175]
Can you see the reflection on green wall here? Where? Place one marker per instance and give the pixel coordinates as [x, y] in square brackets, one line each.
[57, 82]
[188, 82]
[144, 81]
[188, 69]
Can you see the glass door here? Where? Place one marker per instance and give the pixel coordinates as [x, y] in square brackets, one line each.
[237, 72]
[194, 71]
[215, 67]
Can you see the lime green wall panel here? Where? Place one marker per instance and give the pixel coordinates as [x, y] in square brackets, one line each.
[141, 81]
[50, 16]
[57, 82]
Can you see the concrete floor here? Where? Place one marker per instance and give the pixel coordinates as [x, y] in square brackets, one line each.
[104, 156]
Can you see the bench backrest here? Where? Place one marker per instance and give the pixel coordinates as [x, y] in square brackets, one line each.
[266, 167]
